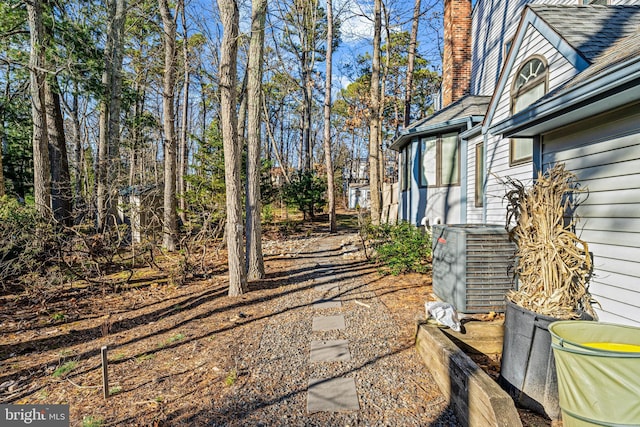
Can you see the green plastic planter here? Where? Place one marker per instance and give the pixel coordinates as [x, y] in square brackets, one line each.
[598, 368]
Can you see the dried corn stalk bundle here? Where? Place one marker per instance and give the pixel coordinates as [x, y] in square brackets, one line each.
[552, 263]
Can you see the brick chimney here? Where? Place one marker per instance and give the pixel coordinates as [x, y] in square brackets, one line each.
[456, 63]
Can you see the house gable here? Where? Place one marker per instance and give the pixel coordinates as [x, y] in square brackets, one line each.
[532, 29]
[534, 39]
[610, 82]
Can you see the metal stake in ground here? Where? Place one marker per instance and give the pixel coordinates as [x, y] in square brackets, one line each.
[105, 373]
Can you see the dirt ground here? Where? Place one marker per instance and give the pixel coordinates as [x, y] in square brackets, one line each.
[168, 344]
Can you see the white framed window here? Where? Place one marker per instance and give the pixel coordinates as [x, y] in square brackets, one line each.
[530, 83]
[440, 160]
[428, 161]
[449, 173]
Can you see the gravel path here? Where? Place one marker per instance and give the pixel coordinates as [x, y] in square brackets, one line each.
[393, 387]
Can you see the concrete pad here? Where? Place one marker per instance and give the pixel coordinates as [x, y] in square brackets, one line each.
[327, 303]
[330, 351]
[332, 395]
[327, 323]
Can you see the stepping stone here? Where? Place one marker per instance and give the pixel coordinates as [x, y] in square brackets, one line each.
[327, 323]
[327, 303]
[330, 351]
[326, 287]
[332, 395]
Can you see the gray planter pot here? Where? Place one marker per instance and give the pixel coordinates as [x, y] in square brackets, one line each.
[528, 370]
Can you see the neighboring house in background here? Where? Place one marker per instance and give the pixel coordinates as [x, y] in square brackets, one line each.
[358, 171]
[356, 183]
[141, 207]
[564, 82]
[278, 178]
[359, 196]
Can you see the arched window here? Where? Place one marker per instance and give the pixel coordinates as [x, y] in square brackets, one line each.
[530, 83]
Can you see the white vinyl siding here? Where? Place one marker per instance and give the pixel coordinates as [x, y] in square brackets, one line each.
[474, 213]
[494, 24]
[604, 152]
[443, 205]
[497, 157]
[498, 170]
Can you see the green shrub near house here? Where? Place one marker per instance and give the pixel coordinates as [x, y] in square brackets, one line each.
[401, 248]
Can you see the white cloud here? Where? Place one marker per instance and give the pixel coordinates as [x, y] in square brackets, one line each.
[356, 20]
[342, 81]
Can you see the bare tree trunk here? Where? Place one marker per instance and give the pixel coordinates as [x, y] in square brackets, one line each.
[109, 139]
[2, 189]
[327, 120]
[41, 165]
[102, 161]
[374, 126]
[229, 16]
[184, 148]
[242, 111]
[2, 137]
[255, 262]
[170, 226]
[276, 149]
[137, 155]
[77, 147]
[308, 146]
[410, 63]
[60, 179]
[383, 100]
[2, 131]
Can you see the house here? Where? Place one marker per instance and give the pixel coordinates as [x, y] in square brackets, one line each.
[591, 122]
[359, 196]
[563, 79]
[141, 208]
[431, 164]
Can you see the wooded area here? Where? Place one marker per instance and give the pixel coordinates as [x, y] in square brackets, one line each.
[130, 125]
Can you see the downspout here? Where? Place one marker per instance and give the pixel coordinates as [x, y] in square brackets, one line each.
[485, 153]
[464, 174]
[537, 156]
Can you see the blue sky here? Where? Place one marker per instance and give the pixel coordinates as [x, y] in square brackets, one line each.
[357, 30]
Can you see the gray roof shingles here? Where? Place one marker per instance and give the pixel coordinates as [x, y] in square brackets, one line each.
[591, 30]
[607, 36]
[604, 35]
[464, 107]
